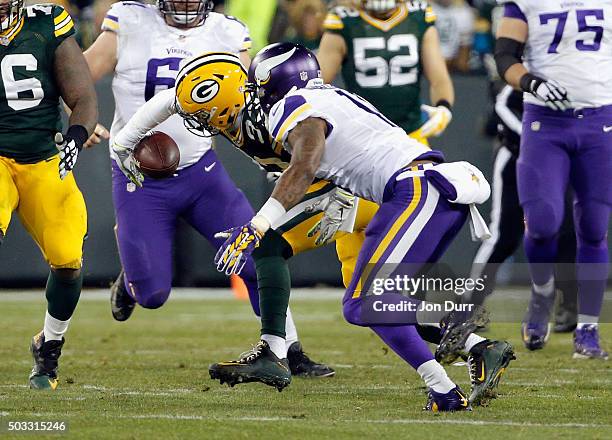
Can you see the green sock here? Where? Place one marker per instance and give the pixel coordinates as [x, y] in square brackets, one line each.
[273, 282]
[274, 285]
[63, 292]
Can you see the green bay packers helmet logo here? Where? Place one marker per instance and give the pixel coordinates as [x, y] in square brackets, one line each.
[205, 91]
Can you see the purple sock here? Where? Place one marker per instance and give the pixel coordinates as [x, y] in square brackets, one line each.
[541, 254]
[406, 342]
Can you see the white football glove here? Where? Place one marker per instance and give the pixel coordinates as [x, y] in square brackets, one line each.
[336, 208]
[68, 153]
[550, 93]
[439, 118]
[127, 163]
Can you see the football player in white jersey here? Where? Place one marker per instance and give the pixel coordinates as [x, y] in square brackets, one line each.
[143, 47]
[560, 54]
[335, 135]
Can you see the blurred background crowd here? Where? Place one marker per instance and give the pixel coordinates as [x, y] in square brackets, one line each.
[465, 27]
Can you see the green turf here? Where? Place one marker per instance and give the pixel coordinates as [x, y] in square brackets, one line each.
[148, 378]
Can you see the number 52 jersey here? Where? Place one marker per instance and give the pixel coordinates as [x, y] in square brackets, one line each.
[29, 96]
[149, 55]
[569, 42]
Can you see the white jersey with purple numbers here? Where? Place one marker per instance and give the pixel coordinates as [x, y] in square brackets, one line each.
[149, 56]
[569, 41]
[363, 148]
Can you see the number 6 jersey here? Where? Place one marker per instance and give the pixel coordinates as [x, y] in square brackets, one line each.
[29, 97]
[149, 55]
[570, 42]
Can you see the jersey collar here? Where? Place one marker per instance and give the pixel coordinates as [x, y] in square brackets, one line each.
[10, 34]
[388, 24]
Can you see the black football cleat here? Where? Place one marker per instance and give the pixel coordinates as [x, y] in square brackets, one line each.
[256, 365]
[301, 365]
[487, 362]
[454, 400]
[122, 304]
[456, 327]
[46, 356]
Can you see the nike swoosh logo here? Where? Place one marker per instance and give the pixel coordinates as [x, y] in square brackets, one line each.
[607, 128]
[210, 167]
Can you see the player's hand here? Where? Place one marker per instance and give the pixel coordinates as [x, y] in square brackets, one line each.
[128, 164]
[69, 149]
[335, 210]
[548, 91]
[239, 245]
[99, 133]
[439, 118]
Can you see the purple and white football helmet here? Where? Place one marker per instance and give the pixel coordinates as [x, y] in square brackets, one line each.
[279, 68]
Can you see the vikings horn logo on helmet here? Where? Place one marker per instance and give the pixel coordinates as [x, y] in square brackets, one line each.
[262, 72]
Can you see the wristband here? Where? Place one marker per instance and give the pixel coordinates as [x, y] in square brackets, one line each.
[79, 134]
[529, 82]
[270, 212]
[444, 103]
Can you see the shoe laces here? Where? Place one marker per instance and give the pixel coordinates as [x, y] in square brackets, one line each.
[252, 354]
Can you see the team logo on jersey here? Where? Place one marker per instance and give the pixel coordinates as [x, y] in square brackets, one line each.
[535, 126]
[205, 91]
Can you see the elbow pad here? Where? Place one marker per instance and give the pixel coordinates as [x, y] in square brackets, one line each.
[508, 52]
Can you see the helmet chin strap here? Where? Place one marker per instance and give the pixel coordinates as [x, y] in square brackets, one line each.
[185, 19]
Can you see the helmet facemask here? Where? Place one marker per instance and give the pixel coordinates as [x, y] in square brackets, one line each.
[185, 12]
[11, 12]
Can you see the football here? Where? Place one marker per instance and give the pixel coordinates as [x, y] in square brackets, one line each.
[158, 155]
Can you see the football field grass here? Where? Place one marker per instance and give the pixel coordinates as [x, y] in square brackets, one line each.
[148, 378]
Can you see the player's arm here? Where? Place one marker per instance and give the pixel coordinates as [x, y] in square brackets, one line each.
[77, 90]
[307, 142]
[331, 54]
[102, 55]
[512, 35]
[441, 91]
[75, 85]
[150, 115]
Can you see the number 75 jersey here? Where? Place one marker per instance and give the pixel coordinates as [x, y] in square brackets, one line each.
[570, 41]
[383, 58]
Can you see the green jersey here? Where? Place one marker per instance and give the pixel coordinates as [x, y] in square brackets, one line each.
[383, 62]
[29, 95]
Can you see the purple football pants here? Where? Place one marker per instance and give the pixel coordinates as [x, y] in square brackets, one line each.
[558, 148]
[203, 195]
[413, 227]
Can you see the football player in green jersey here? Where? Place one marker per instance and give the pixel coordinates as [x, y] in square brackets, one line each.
[40, 61]
[383, 47]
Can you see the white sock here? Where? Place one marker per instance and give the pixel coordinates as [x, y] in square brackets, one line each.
[472, 340]
[546, 289]
[587, 320]
[435, 377]
[291, 335]
[277, 345]
[54, 328]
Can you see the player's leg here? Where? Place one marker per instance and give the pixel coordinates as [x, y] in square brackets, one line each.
[146, 221]
[9, 197]
[397, 235]
[287, 237]
[592, 183]
[566, 312]
[53, 212]
[542, 176]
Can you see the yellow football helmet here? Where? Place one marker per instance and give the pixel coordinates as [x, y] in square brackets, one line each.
[210, 92]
